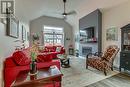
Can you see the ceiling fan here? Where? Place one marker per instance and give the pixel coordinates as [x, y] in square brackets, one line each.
[69, 13]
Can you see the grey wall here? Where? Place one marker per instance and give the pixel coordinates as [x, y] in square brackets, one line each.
[93, 19]
[36, 26]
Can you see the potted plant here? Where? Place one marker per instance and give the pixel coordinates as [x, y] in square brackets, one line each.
[33, 53]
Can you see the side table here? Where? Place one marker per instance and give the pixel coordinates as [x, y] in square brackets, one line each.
[65, 60]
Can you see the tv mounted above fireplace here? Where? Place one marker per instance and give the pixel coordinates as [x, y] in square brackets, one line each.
[88, 32]
[88, 35]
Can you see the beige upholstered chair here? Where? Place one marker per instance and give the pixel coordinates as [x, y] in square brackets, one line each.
[104, 61]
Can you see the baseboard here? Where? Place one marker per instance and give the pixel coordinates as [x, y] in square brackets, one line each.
[1, 78]
[1, 73]
[126, 72]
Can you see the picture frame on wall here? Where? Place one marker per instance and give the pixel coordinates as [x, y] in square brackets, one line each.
[112, 34]
[28, 36]
[23, 33]
[12, 26]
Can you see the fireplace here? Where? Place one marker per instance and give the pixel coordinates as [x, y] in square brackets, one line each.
[86, 50]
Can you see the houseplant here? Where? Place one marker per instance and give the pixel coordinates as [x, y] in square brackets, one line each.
[33, 53]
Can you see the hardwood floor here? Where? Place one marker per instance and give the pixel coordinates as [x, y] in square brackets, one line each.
[119, 80]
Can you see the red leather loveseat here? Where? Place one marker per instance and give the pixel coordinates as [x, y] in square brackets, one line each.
[53, 50]
[20, 61]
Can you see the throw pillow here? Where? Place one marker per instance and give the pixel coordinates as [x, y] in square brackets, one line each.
[40, 58]
[44, 58]
[20, 58]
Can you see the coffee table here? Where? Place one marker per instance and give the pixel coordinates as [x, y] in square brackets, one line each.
[43, 77]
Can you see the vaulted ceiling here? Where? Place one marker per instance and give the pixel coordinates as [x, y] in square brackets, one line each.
[30, 9]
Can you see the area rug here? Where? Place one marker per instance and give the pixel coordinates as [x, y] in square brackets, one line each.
[78, 76]
[118, 80]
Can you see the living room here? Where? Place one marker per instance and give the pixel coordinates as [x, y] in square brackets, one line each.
[34, 15]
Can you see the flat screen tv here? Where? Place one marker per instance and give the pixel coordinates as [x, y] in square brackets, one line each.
[90, 32]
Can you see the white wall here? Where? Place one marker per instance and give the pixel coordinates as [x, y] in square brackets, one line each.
[118, 16]
[87, 7]
[7, 44]
[36, 26]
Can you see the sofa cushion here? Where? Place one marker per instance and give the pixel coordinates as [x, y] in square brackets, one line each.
[20, 58]
[48, 64]
[44, 58]
[50, 48]
[40, 59]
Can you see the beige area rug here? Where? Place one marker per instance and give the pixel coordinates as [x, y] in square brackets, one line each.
[78, 76]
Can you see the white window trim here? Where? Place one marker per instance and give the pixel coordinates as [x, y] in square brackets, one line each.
[63, 42]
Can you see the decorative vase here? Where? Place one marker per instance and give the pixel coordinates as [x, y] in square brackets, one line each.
[33, 68]
[33, 77]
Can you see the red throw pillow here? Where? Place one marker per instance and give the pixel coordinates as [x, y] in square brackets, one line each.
[39, 58]
[44, 58]
[20, 58]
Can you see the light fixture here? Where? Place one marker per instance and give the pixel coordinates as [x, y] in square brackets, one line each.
[64, 14]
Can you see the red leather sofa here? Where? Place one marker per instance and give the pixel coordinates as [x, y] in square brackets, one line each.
[20, 61]
[53, 50]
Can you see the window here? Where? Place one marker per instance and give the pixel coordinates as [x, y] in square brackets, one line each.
[53, 36]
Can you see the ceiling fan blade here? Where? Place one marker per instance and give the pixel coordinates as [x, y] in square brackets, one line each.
[64, 1]
[72, 12]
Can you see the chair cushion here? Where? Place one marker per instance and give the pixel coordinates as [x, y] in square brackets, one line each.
[98, 63]
[20, 58]
[108, 54]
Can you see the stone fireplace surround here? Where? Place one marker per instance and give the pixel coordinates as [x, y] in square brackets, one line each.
[87, 48]
[94, 19]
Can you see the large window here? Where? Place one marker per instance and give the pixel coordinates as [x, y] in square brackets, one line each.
[53, 36]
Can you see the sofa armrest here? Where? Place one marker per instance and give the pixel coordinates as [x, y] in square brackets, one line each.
[10, 75]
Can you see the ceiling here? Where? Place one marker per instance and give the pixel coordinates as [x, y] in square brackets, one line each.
[31, 9]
